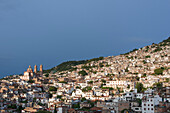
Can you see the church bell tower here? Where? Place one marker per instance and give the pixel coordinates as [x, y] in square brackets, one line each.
[35, 69]
[41, 69]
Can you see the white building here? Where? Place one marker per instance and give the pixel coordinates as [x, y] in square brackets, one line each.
[149, 102]
[115, 84]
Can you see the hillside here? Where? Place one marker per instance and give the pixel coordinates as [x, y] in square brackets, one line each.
[138, 61]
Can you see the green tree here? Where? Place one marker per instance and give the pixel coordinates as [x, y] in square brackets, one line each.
[87, 89]
[104, 81]
[46, 75]
[83, 99]
[148, 56]
[78, 87]
[90, 82]
[34, 99]
[128, 86]
[159, 71]
[59, 96]
[94, 72]
[139, 87]
[50, 95]
[144, 62]
[76, 105]
[55, 109]
[83, 73]
[63, 82]
[19, 109]
[52, 88]
[43, 111]
[167, 79]
[31, 81]
[159, 85]
[137, 78]
[126, 70]
[144, 75]
[101, 65]
[110, 88]
[12, 106]
[139, 101]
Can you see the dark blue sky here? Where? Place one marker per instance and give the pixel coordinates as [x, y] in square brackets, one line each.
[49, 32]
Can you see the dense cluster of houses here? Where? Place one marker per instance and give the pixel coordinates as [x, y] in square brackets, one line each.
[109, 85]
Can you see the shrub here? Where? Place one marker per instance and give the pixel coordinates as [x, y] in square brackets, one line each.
[78, 87]
[63, 82]
[110, 88]
[43, 112]
[12, 106]
[52, 88]
[76, 105]
[148, 56]
[31, 81]
[87, 89]
[90, 82]
[59, 96]
[144, 62]
[159, 71]
[144, 75]
[167, 79]
[158, 85]
[104, 81]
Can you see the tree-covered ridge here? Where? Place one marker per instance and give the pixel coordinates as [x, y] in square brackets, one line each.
[65, 66]
[69, 65]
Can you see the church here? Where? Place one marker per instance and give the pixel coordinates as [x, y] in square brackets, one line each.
[29, 74]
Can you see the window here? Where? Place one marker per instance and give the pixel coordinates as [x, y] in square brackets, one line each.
[151, 108]
[148, 109]
[151, 104]
[148, 105]
[144, 104]
[144, 108]
[136, 108]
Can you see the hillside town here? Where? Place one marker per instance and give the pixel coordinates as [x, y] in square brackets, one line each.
[134, 82]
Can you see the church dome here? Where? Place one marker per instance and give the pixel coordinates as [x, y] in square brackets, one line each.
[29, 69]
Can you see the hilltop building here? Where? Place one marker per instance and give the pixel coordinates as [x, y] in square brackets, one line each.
[29, 74]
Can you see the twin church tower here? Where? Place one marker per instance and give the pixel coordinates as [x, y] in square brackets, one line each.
[41, 69]
[29, 74]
